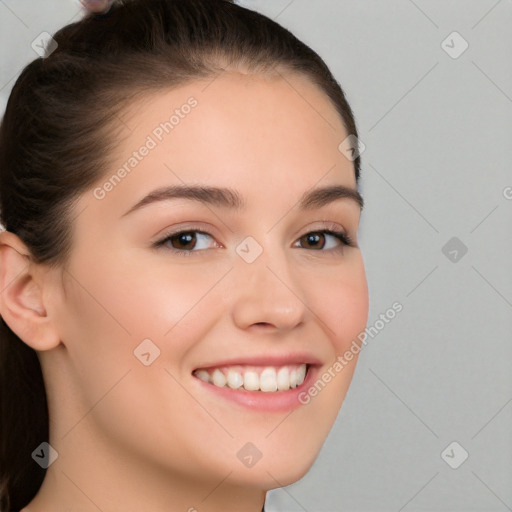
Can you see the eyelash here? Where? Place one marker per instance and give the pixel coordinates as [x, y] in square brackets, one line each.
[344, 238]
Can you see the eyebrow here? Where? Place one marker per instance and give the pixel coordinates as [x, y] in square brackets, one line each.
[229, 198]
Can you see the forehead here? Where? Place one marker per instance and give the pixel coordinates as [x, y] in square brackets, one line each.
[234, 109]
[270, 136]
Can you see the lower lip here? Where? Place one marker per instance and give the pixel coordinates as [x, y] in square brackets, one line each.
[271, 401]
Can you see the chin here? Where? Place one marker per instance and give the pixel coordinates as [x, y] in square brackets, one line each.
[280, 472]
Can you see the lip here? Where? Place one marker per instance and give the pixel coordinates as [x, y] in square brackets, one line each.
[275, 360]
[262, 401]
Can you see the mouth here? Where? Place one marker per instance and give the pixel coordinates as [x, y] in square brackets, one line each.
[276, 387]
[266, 379]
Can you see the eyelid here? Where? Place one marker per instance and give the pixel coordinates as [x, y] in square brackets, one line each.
[327, 225]
[200, 227]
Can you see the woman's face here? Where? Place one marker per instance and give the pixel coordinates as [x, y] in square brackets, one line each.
[252, 290]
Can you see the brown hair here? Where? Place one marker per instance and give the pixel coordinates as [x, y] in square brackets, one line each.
[56, 137]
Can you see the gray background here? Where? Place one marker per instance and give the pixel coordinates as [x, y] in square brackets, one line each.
[437, 165]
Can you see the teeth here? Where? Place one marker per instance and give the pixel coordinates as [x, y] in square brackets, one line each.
[293, 378]
[269, 379]
[301, 374]
[219, 379]
[283, 379]
[235, 380]
[203, 375]
[251, 381]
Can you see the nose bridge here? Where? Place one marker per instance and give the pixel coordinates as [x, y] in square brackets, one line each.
[265, 288]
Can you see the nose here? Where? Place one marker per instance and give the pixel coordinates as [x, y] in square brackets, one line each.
[265, 295]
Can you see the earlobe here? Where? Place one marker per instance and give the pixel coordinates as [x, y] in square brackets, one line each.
[21, 298]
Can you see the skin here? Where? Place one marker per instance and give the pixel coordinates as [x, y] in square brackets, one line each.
[133, 437]
[96, 6]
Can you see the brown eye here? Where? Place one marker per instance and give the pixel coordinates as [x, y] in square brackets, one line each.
[325, 239]
[183, 241]
[314, 240]
[187, 242]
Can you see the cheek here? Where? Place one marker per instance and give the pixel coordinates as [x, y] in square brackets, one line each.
[162, 300]
[146, 298]
[343, 304]
[352, 311]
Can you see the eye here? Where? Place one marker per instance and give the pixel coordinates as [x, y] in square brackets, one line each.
[185, 242]
[325, 239]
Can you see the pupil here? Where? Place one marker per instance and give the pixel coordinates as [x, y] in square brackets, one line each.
[185, 238]
[313, 239]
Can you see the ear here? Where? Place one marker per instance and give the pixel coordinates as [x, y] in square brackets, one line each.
[22, 295]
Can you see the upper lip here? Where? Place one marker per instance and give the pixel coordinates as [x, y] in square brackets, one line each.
[265, 360]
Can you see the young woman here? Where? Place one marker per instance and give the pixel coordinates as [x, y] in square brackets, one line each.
[182, 288]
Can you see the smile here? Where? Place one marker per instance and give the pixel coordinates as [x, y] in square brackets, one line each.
[269, 379]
